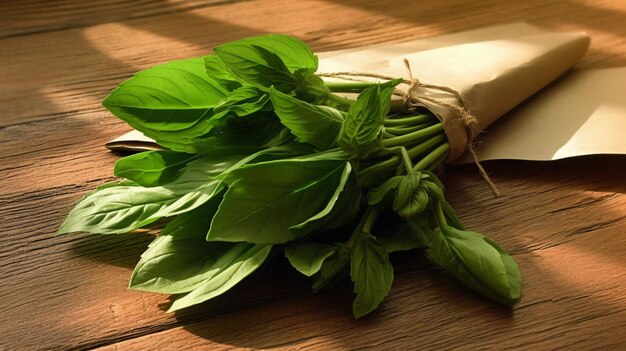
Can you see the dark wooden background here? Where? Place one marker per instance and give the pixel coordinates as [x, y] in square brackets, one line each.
[563, 221]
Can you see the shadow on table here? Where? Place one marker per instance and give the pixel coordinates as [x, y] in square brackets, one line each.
[120, 250]
[290, 315]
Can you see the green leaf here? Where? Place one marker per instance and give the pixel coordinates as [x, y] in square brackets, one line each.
[361, 132]
[411, 197]
[334, 269]
[411, 193]
[152, 168]
[230, 268]
[124, 207]
[372, 274]
[255, 133]
[217, 70]
[245, 101]
[384, 192]
[345, 191]
[257, 66]
[345, 210]
[295, 54]
[180, 258]
[264, 201]
[313, 90]
[316, 125]
[433, 186]
[285, 151]
[478, 263]
[307, 258]
[413, 234]
[177, 96]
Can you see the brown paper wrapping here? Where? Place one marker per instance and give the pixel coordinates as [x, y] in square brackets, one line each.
[582, 113]
[494, 69]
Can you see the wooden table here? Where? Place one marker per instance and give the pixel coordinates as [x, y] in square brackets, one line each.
[563, 221]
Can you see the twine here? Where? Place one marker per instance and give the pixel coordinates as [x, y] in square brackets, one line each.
[413, 98]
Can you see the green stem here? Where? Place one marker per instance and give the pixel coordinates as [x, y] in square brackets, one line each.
[405, 121]
[381, 167]
[369, 175]
[370, 219]
[441, 217]
[340, 100]
[437, 163]
[405, 130]
[388, 135]
[427, 145]
[384, 152]
[432, 157]
[406, 139]
[348, 87]
[407, 160]
[365, 224]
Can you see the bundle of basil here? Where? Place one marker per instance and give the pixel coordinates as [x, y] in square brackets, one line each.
[261, 157]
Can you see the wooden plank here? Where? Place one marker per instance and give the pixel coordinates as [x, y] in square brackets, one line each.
[22, 17]
[41, 81]
[563, 221]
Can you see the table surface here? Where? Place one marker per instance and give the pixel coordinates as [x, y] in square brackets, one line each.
[564, 221]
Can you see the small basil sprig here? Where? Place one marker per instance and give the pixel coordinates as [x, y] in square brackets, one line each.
[361, 132]
[260, 155]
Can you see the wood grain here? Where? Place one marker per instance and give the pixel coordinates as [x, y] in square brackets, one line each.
[40, 82]
[18, 18]
[563, 221]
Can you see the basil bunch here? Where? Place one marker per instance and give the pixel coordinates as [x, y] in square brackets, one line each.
[261, 157]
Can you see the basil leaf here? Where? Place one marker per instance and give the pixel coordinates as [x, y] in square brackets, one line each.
[316, 125]
[172, 97]
[411, 193]
[334, 269]
[285, 151]
[312, 89]
[478, 263]
[361, 132]
[265, 200]
[372, 274]
[307, 258]
[384, 192]
[411, 197]
[433, 186]
[217, 70]
[345, 210]
[180, 259]
[337, 202]
[244, 101]
[255, 133]
[257, 66]
[122, 208]
[152, 168]
[230, 268]
[413, 234]
[295, 54]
